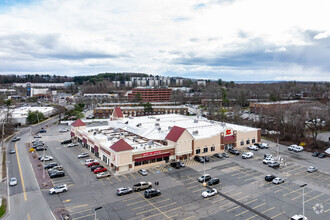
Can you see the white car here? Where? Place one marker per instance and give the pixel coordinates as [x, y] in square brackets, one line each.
[291, 147]
[143, 172]
[209, 192]
[72, 145]
[89, 161]
[37, 136]
[58, 189]
[311, 169]
[278, 180]
[247, 155]
[298, 149]
[253, 147]
[82, 155]
[64, 130]
[264, 146]
[205, 177]
[13, 181]
[267, 160]
[298, 217]
[102, 175]
[46, 158]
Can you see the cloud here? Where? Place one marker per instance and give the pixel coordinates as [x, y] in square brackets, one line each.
[202, 38]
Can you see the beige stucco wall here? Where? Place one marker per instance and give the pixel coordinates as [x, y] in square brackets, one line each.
[124, 157]
[244, 136]
[184, 144]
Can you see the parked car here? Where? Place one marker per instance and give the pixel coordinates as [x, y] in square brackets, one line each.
[213, 181]
[41, 148]
[46, 158]
[95, 167]
[206, 158]
[16, 139]
[253, 147]
[12, 151]
[37, 141]
[322, 155]
[124, 190]
[204, 178]
[298, 217]
[12, 181]
[72, 145]
[267, 160]
[56, 174]
[269, 177]
[42, 131]
[83, 155]
[182, 164]
[199, 159]
[291, 147]
[142, 185]
[92, 164]
[298, 149]
[58, 189]
[247, 155]
[100, 170]
[233, 151]
[102, 175]
[264, 146]
[209, 192]
[218, 155]
[50, 165]
[268, 155]
[311, 169]
[143, 172]
[226, 155]
[258, 145]
[278, 180]
[64, 130]
[175, 165]
[151, 193]
[66, 141]
[89, 161]
[315, 154]
[55, 168]
[273, 164]
[37, 136]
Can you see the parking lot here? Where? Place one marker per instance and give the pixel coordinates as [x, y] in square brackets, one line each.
[243, 192]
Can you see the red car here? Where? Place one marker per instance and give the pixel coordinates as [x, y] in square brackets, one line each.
[93, 163]
[100, 169]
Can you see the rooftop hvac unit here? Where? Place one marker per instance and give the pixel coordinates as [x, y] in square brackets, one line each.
[138, 125]
[94, 133]
[195, 132]
[157, 119]
[195, 121]
[223, 124]
[157, 124]
[135, 138]
[150, 142]
[110, 138]
[170, 127]
[116, 130]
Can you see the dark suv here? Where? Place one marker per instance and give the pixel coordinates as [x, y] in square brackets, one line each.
[50, 165]
[199, 159]
[66, 141]
[151, 193]
[233, 151]
[176, 165]
[213, 181]
[56, 174]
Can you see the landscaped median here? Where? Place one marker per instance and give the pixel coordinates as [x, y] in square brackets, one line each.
[3, 207]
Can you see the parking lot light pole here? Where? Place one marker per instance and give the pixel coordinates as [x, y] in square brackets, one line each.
[96, 210]
[303, 186]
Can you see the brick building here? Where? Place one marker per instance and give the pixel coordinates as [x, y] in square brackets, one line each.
[151, 94]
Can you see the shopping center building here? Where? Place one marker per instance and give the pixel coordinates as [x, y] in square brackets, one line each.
[128, 144]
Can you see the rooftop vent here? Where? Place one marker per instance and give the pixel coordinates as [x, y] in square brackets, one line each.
[150, 142]
[195, 132]
[170, 127]
[157, 124]
[223, 124]
[157, 119]
[138, 125]
[195, 121]
[94, 133]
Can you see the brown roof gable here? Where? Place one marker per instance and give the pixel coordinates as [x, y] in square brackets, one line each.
[78, 123]
[175, 133]
[117, 113]
[121, 145]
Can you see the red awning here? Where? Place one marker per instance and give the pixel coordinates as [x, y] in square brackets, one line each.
[72, 134]
[84, 140]
[152, 157]
[229, 138]
[96, 148]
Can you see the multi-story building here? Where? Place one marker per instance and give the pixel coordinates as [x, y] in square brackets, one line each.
[126, 104]
[151, 94]
[106, 112]
[262, 107]
[128, 144]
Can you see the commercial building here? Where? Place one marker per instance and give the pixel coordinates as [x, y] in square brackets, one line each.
[100, 95]
[149, 94]
[43, 85]
[106, 112]
[262, 107]
[127, 104]
[128, 144]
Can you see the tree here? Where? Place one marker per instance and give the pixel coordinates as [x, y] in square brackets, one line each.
[35, 117]
[147, 107]
[138, 97]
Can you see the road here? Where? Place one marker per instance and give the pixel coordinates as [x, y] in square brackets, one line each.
[25, 198]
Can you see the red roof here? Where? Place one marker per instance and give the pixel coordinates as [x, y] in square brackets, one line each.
[121, 145]
[117, 113]
[78, 123]
[175, 133]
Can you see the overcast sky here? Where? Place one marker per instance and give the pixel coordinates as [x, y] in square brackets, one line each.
[240, 40]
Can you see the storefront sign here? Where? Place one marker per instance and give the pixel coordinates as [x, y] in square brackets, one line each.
[228, 132]
[151, 153]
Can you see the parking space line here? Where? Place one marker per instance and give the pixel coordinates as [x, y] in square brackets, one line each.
[101, 182]
[229, 202]
[151, 216]
[167, 205]
[189, 217]
[242, 198]
[217, 200]
[300, 172]
[83, 216]
[161, 212]
[291, 192]
[198, 190]
[108, 178]
[289, 171]
[117, 178]
[301, 195]
[132, 175]
[253, 216]
[173, 209]
[192, 187]
[140, 207]
[236, 194]
[149, 210]
[250, 201]
[279, 190]
[259, 205]
[125, 177]
[77, 206]
[236, 207]
[133, 203]
[85, 210]
[125, 200]
[161, 201]
[241, 213]
[314, 197]
[326, 211]
[277, 215]
[267, 210]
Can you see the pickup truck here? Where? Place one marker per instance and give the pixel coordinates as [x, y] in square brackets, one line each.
[142, 185]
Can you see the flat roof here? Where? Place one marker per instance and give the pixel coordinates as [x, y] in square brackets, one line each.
[142, 107]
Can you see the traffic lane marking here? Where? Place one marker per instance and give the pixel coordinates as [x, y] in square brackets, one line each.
[84, 210]
[77, 206]
[20, 173]
[84, 216]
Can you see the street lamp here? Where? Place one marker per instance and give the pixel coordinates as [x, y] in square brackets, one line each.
[303, 186]
[96, 210]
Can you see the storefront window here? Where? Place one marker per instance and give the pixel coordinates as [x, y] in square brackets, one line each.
[248, 142]
[153, 161]
[159, 159]
[137, 163]
[105, 159]
[145, 162]
[253, 141]
[242, 143]
[212, 148]
[205, 149]
[198, 151]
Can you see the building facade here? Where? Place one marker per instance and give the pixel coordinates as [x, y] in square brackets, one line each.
[151, 94]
